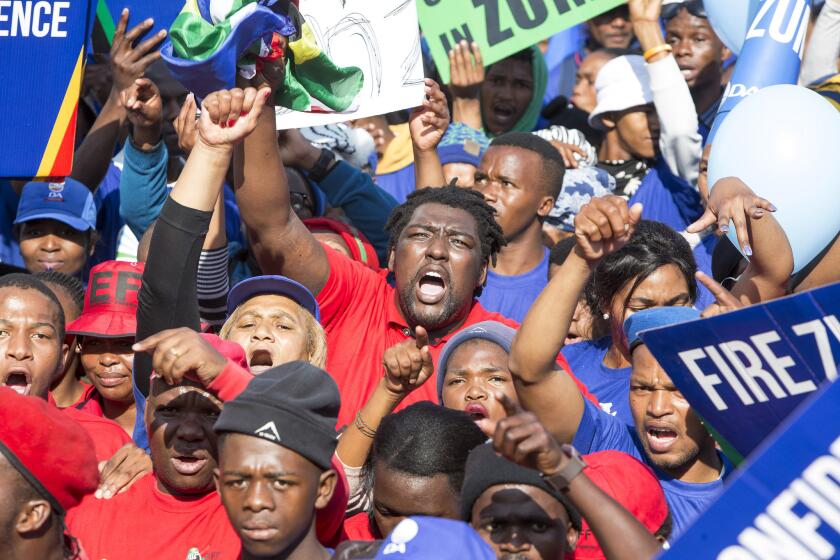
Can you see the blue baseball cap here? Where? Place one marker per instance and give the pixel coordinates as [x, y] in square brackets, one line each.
[273, 285]
[421, 538]
[69, 202]
[654, 318]
[493, 331]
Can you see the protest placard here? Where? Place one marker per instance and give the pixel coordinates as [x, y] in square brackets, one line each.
[500, 27]
[380, 38]
[744, 372]
[784, 501]
[42, 47]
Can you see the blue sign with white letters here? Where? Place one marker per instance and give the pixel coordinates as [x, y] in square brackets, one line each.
[772, 53]
[41, 61]
[744, 372]
[784, 503]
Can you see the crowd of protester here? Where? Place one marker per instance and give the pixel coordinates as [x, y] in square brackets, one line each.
[411, 335]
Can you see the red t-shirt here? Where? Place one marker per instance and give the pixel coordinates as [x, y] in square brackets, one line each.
[144, 523]
[357, 528]
[362, 320]
[89, 401]
[107, 435]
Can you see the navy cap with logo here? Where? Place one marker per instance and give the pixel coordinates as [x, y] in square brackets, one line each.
[69, 202]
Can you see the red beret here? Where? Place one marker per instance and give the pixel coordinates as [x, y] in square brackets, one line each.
[632, 484]
[51, 451]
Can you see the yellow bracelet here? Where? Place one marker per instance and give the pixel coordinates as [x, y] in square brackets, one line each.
[653, 51]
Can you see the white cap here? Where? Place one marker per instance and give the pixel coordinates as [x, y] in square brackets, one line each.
[622, 83]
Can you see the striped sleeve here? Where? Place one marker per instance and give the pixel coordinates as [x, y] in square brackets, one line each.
[213, 286]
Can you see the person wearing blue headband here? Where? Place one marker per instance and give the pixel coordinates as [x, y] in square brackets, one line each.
[665, 431]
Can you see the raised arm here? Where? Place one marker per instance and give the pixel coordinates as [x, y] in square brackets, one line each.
[279, 240]
[680, 142]
[602, 226]
[428, 124]
[143, 187]
[407, 366]
[466, 74]
[128, 63]
[168, 296]
[759, 234]
[521, 438]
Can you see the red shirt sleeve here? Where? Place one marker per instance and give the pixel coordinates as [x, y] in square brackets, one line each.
[349, 281]
[230, 382]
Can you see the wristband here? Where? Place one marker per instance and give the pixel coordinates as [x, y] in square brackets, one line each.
[653, 51]
[561, 480]
[323, 166]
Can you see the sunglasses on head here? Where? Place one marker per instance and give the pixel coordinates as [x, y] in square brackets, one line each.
[694, 7]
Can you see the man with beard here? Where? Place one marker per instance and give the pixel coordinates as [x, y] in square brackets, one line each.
[666, 432]
[442, 242]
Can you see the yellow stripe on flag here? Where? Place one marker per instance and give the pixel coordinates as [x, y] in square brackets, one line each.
[306, 48]
[65, 113]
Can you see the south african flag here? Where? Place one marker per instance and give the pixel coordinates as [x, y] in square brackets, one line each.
[212, 40]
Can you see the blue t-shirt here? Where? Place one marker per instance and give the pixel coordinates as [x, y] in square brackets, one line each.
[599, 431]
[610, 385]
[668, 198]
[398, 184]
[512, 296]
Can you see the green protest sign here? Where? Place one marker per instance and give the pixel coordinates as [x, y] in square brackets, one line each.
[500, 27]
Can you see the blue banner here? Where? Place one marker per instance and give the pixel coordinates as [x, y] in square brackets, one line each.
[784, 503]
[108, 14]
[772, 53]
[744, 372]
[41, 59]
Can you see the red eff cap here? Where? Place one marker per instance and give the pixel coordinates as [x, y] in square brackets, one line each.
[52, 452]
[633, 485]
[110, 301]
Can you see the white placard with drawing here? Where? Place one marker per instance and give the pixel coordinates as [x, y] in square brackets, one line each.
[382, 37]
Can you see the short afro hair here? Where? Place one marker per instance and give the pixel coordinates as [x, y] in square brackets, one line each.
[490, 234]
[29, 282]
[426, 440]
[553, 168]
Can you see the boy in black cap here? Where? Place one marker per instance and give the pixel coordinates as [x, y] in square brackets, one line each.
[276, 443]
[517, 512]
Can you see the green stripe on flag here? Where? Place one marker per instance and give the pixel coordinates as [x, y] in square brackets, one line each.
[725, 446]
[103, 14]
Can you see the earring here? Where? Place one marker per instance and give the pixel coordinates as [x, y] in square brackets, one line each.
[606, 316]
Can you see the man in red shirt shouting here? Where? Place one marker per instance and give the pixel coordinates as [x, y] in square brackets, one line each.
[442, 242]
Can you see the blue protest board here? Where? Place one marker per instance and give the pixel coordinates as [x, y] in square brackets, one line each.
[784, 503]
[771, 54]
[42, 47]
[744, 372]
[108, 14]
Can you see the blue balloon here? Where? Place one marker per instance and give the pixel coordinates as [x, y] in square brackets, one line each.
[783, 142]
[730, 19]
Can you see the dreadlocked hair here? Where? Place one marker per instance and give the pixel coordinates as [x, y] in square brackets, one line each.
[489, 231]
